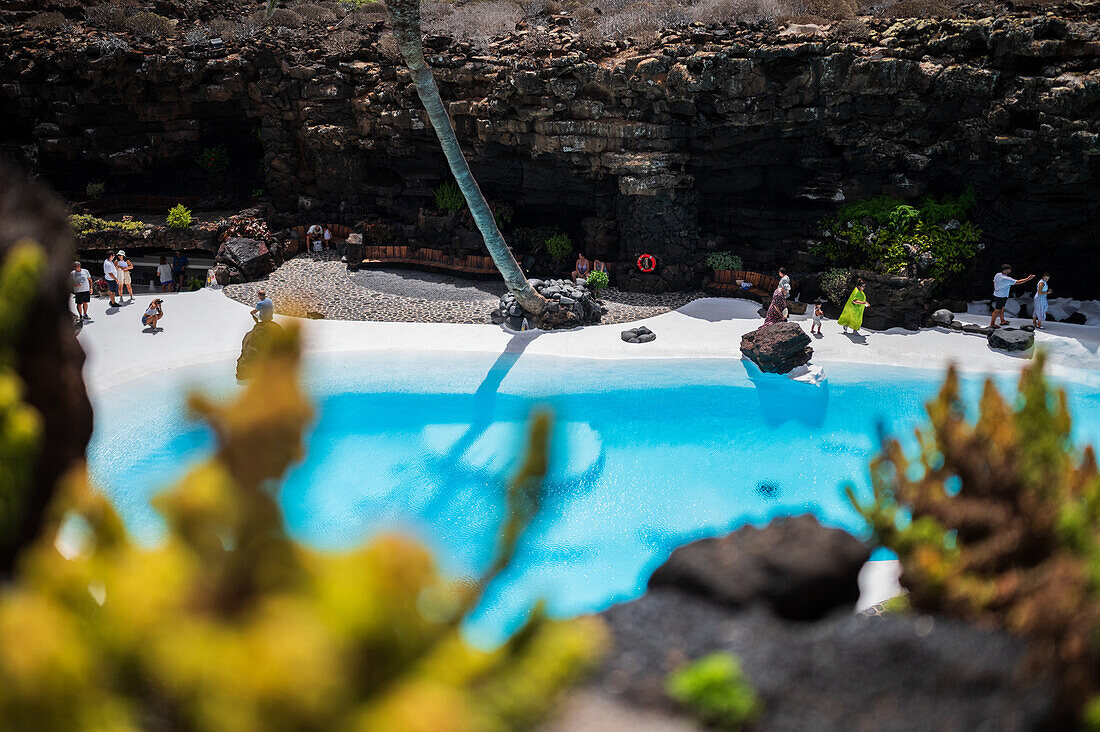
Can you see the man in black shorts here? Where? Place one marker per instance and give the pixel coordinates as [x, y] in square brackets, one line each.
[1002, 286]
[82, 289]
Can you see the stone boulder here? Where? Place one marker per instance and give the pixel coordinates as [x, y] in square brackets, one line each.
[896, 302]
[570, 304]
[778, 348]
[943, 316]
[250, 256]
[254, 340]
[795, 567]
[641, 334]
[1011, 340]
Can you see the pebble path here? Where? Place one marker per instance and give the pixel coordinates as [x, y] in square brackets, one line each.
[322, 287]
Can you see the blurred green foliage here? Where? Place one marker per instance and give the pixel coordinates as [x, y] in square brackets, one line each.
[87, 224]
[997, 521]
[230, 625]
[95, 190]
[885, 234]
[714, 689]
[559, 246]
[20, 424]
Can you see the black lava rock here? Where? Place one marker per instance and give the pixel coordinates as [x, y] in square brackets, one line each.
[250, 256]
[641, 334]
[777, 348]
[1011, 340]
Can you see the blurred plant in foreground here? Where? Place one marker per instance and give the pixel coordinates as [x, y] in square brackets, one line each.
[996, 522]
[715, 689]
[230, 625]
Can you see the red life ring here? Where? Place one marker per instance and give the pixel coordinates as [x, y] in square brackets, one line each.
[647, 263]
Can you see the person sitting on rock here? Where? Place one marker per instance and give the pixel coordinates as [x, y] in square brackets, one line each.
[152, 316]
[583, 266]
[777, 310]
[314, 238]
[264, 310]
[598, 266]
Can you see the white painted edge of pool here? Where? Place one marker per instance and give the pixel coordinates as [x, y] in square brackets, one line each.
[205, 326]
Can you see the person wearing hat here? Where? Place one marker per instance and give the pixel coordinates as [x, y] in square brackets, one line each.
[124, 267]
[153, 314]
[1002, 287]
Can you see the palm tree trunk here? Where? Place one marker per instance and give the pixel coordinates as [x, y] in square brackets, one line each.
[405, 20]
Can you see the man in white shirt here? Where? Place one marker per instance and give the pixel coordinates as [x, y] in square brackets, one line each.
[110, 273]
[1002, 286]
[82, 289]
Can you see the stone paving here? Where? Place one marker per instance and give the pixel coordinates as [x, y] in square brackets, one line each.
[321, 287]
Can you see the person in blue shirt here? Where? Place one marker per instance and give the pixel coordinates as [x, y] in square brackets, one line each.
[179, 269]
[264, 310]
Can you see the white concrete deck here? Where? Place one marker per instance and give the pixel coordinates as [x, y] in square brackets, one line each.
[205, 326]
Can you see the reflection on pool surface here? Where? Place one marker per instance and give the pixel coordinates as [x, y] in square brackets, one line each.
[647, 455]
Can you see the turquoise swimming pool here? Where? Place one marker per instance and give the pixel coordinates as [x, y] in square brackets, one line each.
[648, 455]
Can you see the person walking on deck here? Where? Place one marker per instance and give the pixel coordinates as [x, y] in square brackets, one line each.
[777, 310]
[852, 315]
[1039, 311]
[1002, 288]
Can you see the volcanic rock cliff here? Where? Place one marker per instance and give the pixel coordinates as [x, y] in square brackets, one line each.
[738, 137]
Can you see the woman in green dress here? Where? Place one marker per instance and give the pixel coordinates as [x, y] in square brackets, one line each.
[852, 316]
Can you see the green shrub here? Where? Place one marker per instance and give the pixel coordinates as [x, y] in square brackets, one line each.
[720, 261]
[597, 281]
[87, 224]
[195, 283]
[837, 285]
[149, 25]
[179, 217]
[213, 159]
[448, 197]
[887, 235]
[95, 190]
[715, 690]
[559, 247]
[532, 239]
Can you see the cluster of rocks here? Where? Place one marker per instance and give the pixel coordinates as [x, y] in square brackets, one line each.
[778, 348]
[640, 334]
[570, 304]
[714, 137]
[781, 599]
[1001, 338]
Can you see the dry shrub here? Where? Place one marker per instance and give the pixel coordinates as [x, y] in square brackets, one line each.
[52, 21]
[852, 29]
[641, 21]
[476, 23]
[199, 34]
[149, 25]
[312, 14]
[532, 8]
[221, 25]
[387, 46]
[818, 9]
[343, 42]
[734, 11]
[107, 15]
[282, 18]
[916, 9]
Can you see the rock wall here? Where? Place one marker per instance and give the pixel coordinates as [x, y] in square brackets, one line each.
[717, 137]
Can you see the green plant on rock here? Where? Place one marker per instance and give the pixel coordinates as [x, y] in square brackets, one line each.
[213, 160]
[837, 285]
[722, 261]
[95, 190]
[597, 281]
[88, 224]
[448, 198]
[229, 624]
[887, 235]
[714, 689]
[997, 521]
[559, 247]
[179, 217]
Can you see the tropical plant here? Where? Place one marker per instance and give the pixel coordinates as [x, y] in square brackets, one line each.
[559, 247]
[179, 217]
[837, 285]
[95, 190]
[214, 159]
[448, 198]
[715, 690]
[217, 626]
[887, 235]
[88, 224]
[997, 520]
[720, 261]
[597, 281]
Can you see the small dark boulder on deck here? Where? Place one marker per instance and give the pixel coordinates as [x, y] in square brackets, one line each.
[943, 316]
[795, 567]
[254, 341]
[250, 256]
[778, 348]
[641, 334]
[1011, 340]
